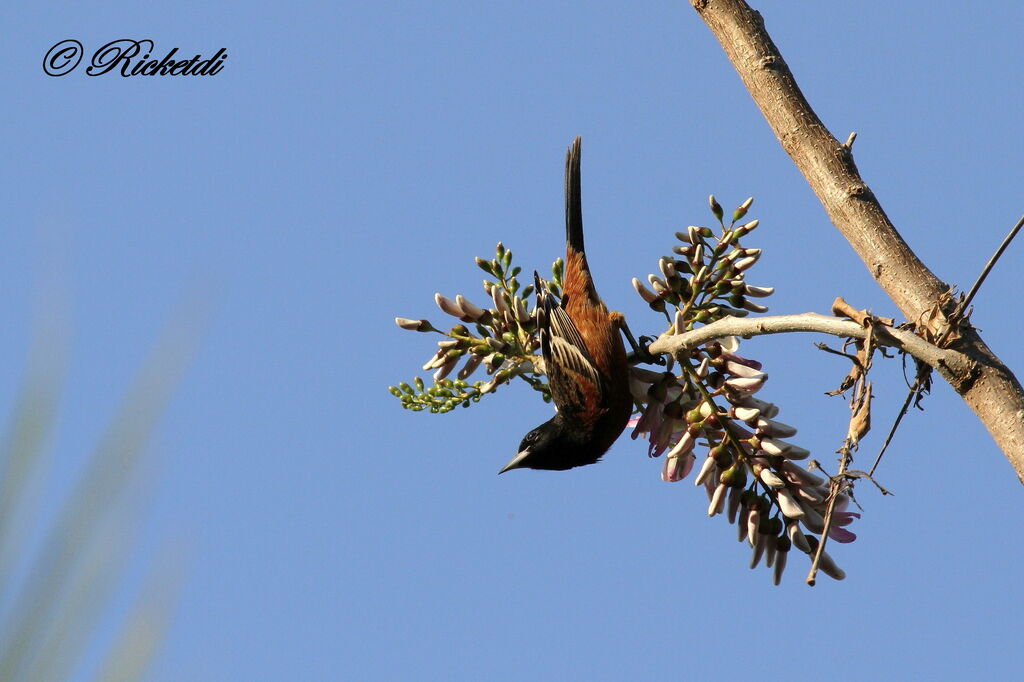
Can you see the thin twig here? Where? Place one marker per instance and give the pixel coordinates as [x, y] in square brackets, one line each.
[833, 492]
[857, 473]
[892, 431]
[991, 263]
[860, 400]
[923, 369]
[833, 351]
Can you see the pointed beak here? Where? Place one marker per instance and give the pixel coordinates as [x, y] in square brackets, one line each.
[516, 462]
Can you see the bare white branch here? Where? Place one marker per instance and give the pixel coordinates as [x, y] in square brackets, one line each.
[948, 362]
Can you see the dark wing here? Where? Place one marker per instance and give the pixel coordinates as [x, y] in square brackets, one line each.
[576, 384]
[567, 349]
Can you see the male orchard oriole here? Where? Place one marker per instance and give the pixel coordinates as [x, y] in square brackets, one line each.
[584, 358]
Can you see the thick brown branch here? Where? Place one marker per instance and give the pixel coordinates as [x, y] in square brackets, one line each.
[951, 364]
[994, 395]
[825, 163]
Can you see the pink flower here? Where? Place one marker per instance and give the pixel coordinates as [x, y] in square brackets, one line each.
[677, 468]
[840, 519]
[753, 364]
[649, 420]
[661, 437]
[841, 534]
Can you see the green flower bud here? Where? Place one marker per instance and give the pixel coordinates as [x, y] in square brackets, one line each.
[741, 210]
[484, 265]
[735, 476]
[722, 456]
[716, 208]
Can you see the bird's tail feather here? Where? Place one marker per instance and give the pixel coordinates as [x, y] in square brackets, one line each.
[573, 200]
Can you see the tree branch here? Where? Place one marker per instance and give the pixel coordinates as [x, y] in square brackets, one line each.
[953, 365]
[994, 394]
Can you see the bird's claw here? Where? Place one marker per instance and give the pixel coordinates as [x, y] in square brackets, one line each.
[642, 355]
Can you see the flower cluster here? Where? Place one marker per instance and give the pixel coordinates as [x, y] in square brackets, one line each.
[502, 340]
[707, 284]
[706, 396]
[749, 472]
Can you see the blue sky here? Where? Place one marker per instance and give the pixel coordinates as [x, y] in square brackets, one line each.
[348, 162]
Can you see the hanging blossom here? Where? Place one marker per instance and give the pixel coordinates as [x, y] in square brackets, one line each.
[749, 470]
[500, 337]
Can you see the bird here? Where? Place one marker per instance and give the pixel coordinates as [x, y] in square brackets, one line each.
[584, 357]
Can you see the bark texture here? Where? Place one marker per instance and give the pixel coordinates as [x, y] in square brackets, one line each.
[991, 391]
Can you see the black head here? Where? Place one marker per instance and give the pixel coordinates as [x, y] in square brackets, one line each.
[551, 446]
